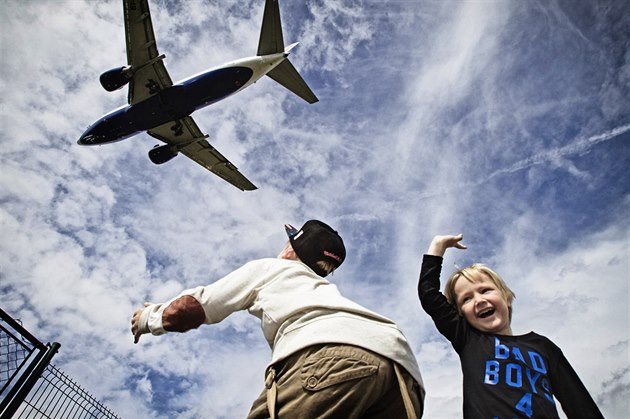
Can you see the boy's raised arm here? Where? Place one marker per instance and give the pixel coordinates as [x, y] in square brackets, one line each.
[444, 314]
[439, 244]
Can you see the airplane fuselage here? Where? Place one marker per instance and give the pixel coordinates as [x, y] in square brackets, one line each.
[180, 100]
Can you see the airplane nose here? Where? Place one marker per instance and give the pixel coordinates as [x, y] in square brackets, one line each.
[86, 139]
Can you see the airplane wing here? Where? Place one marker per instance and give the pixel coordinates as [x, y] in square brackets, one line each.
[186, 137]
[149, 73]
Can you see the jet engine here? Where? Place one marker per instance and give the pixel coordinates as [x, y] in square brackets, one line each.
[116, 78]
[162, 153]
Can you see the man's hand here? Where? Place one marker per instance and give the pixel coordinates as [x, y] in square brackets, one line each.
[135, 323]
[439, 244]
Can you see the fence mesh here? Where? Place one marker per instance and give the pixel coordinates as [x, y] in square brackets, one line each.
[31, 387]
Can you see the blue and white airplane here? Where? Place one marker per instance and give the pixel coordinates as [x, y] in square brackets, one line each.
[163, 109]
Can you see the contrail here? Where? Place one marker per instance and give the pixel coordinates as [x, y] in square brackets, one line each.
[580, 145]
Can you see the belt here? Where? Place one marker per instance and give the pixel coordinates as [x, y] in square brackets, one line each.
[272, 392]
[404, 392]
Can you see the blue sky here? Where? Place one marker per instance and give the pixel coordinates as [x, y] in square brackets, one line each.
[505, 120]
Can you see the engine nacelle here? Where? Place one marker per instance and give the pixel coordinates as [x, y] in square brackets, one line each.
[162, 154]
[116, 78]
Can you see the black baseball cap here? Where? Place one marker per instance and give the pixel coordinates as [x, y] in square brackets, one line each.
[314, 242]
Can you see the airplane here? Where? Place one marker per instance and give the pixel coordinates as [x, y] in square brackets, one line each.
[163, 109]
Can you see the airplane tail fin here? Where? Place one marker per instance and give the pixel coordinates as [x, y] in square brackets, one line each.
[272, 42]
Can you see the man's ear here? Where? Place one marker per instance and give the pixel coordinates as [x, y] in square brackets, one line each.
[288, 253]
[291, 254]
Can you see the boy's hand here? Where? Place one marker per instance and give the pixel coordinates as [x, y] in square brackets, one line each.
[439, 244]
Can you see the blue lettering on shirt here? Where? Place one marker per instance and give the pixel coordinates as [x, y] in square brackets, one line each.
[520, 374]
[492, 373]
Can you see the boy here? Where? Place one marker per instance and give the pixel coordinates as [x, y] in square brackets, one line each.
[331, 357]
[505, 376]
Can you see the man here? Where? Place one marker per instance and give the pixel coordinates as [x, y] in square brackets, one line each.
[331, 358]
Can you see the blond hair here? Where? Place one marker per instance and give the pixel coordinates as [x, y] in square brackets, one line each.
[326, 266]
[495, 278]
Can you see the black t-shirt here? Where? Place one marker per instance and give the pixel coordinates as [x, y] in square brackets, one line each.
[505, 377]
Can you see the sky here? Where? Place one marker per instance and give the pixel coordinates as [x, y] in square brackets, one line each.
[507, 121]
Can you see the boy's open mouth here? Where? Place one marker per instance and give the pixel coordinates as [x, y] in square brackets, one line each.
[486, 313]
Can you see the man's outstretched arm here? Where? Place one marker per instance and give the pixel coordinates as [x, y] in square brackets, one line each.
[180, 315]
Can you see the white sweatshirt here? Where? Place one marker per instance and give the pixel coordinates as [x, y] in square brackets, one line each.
[297, 308]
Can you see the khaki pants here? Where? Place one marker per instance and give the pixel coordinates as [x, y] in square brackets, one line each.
[336, 381]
